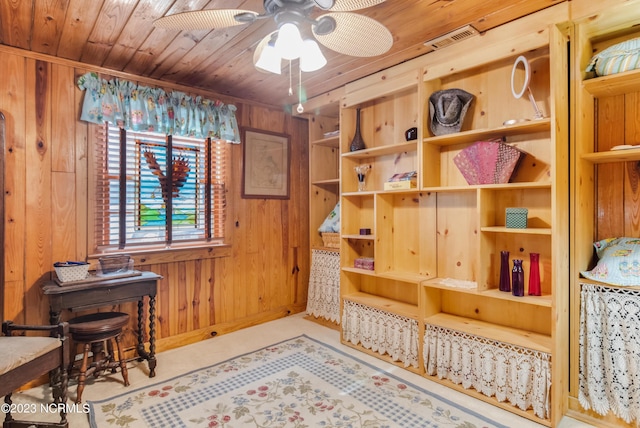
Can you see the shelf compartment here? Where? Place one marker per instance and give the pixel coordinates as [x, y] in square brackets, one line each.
[465, 351]
[384, 304]
[357, 212]
[517, 337]
[405, 226]
[530, 127]
[394, 334]
[494, 202]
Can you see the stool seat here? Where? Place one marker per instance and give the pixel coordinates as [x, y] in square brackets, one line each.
[92, 331]
[98, 326]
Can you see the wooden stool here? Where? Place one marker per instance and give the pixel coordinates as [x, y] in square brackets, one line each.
[92, 331]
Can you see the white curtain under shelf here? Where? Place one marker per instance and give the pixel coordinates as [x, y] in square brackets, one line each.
[511, 373]
[382, 332]
[610, 350]
[323, 299]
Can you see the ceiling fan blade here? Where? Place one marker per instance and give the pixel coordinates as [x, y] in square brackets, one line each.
[356, 35]
[207, 19]
[349, 5]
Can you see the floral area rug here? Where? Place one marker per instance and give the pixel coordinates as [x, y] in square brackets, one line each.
[299, 383]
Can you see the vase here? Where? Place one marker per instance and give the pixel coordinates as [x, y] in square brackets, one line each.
[517, 278]
[505, 278]
[357, 143]
[361, 173]
[534, 274]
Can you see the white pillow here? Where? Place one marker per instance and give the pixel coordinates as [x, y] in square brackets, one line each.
[331, 224]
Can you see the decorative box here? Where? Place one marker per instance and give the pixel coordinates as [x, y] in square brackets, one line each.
[405, 180]
[399, 185]
[516, 218]
[364, 263]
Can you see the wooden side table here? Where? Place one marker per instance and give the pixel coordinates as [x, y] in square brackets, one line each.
[98, 292]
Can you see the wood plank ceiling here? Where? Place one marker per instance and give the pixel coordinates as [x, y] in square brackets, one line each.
[119, 35]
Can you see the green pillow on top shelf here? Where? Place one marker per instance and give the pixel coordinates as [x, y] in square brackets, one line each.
[618, 58]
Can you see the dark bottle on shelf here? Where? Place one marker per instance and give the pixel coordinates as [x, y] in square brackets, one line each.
[505, 277]
[357, 143]
[517, 278]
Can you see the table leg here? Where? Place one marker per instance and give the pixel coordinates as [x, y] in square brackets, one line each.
[140, 348]
[55, 375]
[54, 316]
[151, 355]
[152, 336]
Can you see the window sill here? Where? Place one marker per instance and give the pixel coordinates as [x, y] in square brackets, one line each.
[153, 256]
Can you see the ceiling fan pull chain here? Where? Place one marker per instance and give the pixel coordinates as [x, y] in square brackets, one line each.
[299, 109]
[290, 89]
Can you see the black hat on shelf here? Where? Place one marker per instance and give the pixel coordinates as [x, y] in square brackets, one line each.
[447, 109]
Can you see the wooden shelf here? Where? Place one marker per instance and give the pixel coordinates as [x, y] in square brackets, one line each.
[410, 277]
[611, 156]
[363, 193]
[530, 127]
[384, 304]
[359, 271]
[325, 183]
[328, 142]
[526, 231]
[391, 149]
[335, 250]
[493, 293]
[360, 237]
[508, 335]
[614, 84]
[604, 284]
[505, 186]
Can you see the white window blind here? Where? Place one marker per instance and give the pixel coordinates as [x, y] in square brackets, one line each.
[157, 190]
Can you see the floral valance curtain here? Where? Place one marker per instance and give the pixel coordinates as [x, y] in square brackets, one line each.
[142, 108]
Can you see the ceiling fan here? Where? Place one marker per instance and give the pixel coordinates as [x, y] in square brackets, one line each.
[339, 30]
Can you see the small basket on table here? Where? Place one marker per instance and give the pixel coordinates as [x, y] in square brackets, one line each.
[71, 271]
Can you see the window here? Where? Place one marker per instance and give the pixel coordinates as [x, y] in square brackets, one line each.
[157, 190]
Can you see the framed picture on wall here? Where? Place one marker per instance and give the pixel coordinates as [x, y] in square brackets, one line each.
[265, 168]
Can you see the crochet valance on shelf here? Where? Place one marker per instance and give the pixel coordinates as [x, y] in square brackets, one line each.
[141, 108]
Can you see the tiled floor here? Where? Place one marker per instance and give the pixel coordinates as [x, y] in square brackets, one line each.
[181, 360]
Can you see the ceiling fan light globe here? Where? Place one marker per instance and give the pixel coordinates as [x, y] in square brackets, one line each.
[270, 60]
[289, 43]
[311, 58]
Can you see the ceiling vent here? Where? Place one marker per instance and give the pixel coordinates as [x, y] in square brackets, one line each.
[452, 37]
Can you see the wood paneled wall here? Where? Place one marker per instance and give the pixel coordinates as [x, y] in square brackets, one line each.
[618, 190]
[261, 275]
